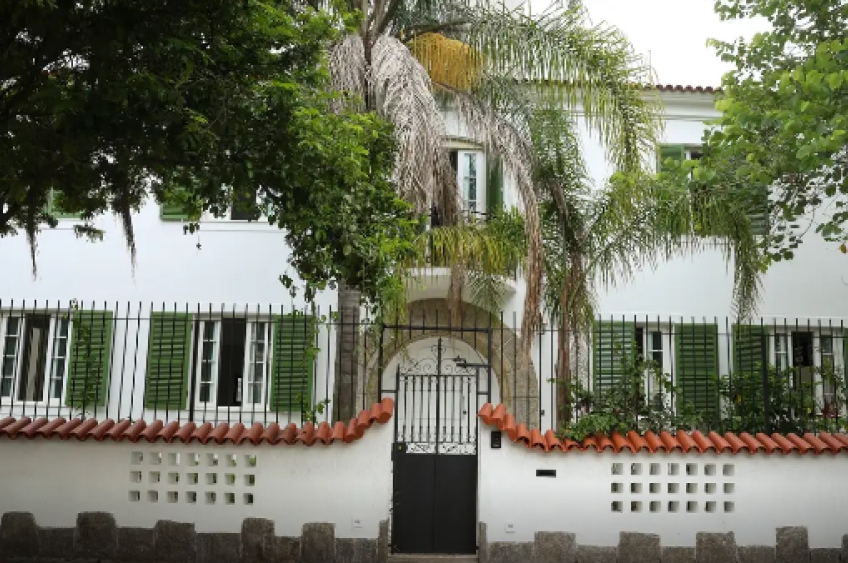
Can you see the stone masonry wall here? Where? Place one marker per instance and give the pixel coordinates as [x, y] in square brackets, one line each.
[791, 546]
[98, 539]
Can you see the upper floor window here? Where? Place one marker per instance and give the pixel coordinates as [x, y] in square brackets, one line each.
[758, 213]
[470, 168]
[245, 207]
[678, 153]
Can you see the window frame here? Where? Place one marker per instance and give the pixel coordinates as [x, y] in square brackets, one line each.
[463, 150]
[646, 349]
[823, 391]
[196, 365]
[57, 213]
[50, 355]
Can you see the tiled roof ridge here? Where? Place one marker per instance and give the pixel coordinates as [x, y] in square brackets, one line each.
[687, 88]
[664, 441]
[204, 433]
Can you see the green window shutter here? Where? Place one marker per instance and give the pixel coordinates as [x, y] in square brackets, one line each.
[88, 367]
[696, 355]
[168, 361]
[676, 152]
[613, 344]
[844, 357]
[494, 185]
[54, 210]
[750, 342]
[291, 368]
[172, 209]
[759, 214]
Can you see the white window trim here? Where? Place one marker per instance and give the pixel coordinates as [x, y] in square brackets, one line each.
[262, 219]
[46, 400]
[667, 357]
[197, 366]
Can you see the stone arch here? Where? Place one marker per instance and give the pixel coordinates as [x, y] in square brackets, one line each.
[519, 389]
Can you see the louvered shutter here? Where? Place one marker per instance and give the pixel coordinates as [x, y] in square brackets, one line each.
[613, 345]
[758, 214]
[696, 362]
[676, 152]
[293, 360]
[494, 185]
[88, 366]
[168, 361]
[750, 344]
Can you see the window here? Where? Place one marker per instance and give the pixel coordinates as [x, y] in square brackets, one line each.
[828, 365]
[649, 345]
[616, 343]
[245, 207]
[758, 213]
[57, 211]
[229, 362]
[33, 356]
[233, 361]
[781, 352]
[679, 153]
[470, 170]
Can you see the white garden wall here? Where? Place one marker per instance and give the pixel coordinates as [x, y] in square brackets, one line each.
[348, 485]
[751, 495]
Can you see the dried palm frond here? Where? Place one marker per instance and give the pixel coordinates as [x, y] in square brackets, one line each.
[403, 94]
[347, 65]
[505, 138]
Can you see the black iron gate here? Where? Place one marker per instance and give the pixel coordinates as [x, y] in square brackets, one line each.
[435, 451]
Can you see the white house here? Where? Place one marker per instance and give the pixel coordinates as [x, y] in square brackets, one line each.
[201, 328]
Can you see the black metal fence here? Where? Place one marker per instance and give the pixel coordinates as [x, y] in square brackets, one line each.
[275, 364]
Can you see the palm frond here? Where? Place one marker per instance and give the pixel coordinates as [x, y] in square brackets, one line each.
[640, 222]
[346, 61]
[504, 138]
[487, 291]
[404, 96]
[590, 69]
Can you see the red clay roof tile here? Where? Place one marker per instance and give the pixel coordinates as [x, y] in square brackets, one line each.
[702, 442]
[238, 433]
[690, 89]
[664, 442]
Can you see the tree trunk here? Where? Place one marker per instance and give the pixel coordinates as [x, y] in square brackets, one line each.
[563, 376]
[347, 389]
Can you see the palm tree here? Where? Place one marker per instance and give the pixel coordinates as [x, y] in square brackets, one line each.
[516, 82]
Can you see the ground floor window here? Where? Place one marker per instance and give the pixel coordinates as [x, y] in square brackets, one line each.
[232, 369]
[33, 356]
[230, 362]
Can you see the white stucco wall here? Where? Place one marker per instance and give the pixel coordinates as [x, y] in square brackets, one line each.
[345, 484]
[766, 492]
[237, 264]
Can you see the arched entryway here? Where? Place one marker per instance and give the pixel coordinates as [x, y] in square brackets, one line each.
[440, 366]
[514, 381]
[439, 379]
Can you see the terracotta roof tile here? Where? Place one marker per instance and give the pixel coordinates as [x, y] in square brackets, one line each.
[688, 88]
[685, 442]
[238, 433]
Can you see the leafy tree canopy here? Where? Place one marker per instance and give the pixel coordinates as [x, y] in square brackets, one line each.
[785, 119]
[105, 103]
